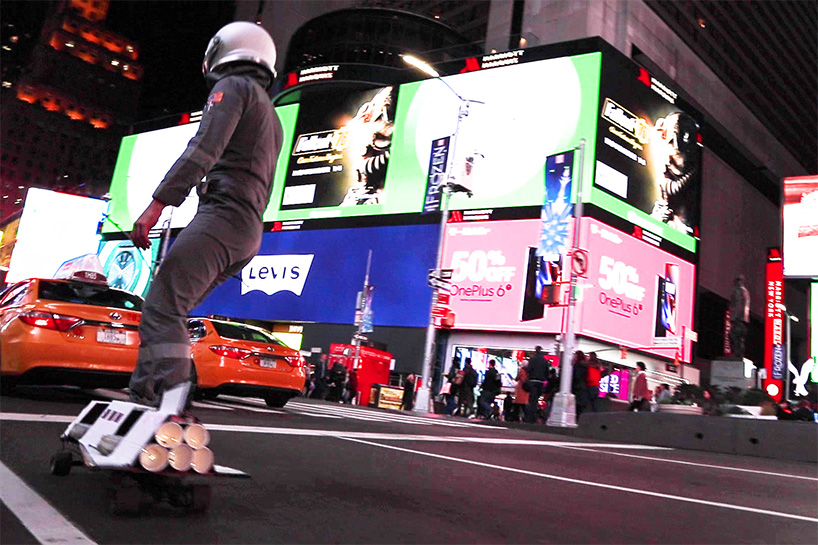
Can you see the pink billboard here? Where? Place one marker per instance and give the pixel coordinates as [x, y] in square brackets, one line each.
[494, 273]
[635, 294]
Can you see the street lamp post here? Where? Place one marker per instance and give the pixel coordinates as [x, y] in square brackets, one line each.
[564, 412]
[423, 401]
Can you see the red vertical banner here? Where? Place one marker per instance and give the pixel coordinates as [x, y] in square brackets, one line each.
[774, 350]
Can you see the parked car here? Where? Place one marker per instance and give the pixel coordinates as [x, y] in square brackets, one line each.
[238, 359]
[76, 331]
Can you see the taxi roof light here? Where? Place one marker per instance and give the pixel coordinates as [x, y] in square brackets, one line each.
[85, 268]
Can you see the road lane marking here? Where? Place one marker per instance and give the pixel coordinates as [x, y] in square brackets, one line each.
[219, 405]
[347, 410]
[590, 483]
[727, 468]
[44, 522]
[25, 417]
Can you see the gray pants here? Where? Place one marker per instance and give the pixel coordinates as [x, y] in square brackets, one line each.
[216, 245]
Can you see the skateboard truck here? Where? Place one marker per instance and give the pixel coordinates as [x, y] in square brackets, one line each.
[152, 452]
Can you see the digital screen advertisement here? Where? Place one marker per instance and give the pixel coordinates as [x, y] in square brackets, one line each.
[54, 228]
[800, 216]
[649, 155]
[126, 266]
[512, 119]
[315, 276]
[617, 383]
[635, 294]
[493, 284]
[142, 163]
[340, 150]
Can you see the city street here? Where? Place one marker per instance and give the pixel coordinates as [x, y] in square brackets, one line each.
[329, 473]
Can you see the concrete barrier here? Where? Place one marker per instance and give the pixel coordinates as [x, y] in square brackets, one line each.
[784, 440]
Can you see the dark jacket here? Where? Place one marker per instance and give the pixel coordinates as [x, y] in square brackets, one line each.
[471, 377]
[538, 367]
[492, 382]
[232, 147]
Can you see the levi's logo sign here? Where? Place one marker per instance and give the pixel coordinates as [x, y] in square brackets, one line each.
[274, 273]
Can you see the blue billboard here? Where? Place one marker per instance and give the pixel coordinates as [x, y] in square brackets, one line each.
[315, 276]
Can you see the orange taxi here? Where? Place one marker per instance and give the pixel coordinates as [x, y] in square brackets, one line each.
[238, 359]
[76, 331]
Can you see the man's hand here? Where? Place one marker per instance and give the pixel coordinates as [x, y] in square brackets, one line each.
[145, 223]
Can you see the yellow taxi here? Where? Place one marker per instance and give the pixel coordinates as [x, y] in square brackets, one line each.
[238, 359]
[75, 331]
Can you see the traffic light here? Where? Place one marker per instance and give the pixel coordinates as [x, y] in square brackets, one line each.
[623, 353]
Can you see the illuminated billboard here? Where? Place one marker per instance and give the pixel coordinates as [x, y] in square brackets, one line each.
[315, 276]
[126, 266]
[340, 151]
[352, 152]
[54, 228]
[512, 119]
[648, 156]
[635, 294]
[142, 163]
[494, 277]
[800, 216]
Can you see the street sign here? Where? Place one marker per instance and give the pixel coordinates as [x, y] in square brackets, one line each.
[691, 335]
[440, 282]
[443, 298]
[439, 312]
[579, 262]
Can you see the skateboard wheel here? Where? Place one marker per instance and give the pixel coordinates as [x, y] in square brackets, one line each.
[154, 457]
[169, 435]
[180, 458]
[197, 436]
[61, 464]
[202, 460]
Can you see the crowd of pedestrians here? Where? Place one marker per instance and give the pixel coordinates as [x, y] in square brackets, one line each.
[334, 383]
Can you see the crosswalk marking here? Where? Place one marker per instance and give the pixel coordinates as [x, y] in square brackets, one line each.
[316, 410]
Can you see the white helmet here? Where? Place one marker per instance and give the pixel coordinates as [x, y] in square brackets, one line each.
[240, 42]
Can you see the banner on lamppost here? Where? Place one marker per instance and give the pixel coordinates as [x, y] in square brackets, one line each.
[438, 162]
[368, 315]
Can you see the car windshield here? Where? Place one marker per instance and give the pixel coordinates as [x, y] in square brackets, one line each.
[89, 294]
[243, 333]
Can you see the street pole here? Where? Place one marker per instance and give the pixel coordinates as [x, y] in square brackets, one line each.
[564, 412]
[424, 401]
[359, 333]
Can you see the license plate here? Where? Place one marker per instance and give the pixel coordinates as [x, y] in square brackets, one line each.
[111, 336]
[267, 362]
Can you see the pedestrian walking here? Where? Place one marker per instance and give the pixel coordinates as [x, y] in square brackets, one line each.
[235, 151]
[641, 392]
[490, 388]
[593, 374]
[520, 394]
[538, 368]
[408, 400]
[578, 378]
[465, 404]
